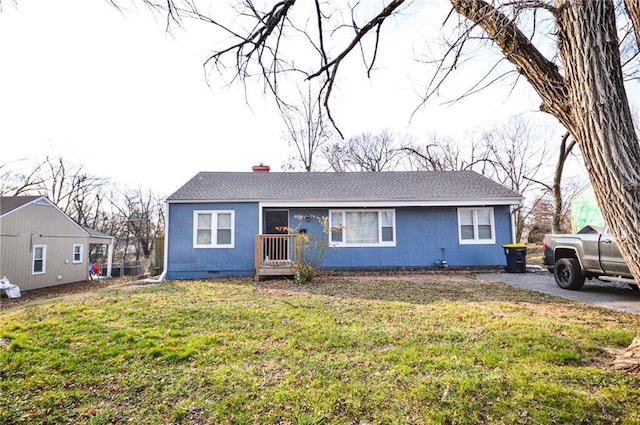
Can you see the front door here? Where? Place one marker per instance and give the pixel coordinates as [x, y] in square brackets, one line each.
[276, 222]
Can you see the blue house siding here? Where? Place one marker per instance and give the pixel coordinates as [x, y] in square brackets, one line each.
[421, 235]
[186, 262]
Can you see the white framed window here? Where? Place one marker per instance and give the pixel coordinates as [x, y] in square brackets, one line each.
[77, 253]
[476, 226]
[362, 227]
[39, 259]
[213, 229]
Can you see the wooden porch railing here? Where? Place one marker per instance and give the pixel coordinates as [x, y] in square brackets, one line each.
[276, 255]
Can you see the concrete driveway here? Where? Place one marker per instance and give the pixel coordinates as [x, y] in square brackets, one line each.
[615, 296]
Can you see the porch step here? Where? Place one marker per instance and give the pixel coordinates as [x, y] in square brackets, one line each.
[282, 270]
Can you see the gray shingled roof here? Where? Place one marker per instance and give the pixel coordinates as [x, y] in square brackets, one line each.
[321, 187]
[10, 203]
[95, 234]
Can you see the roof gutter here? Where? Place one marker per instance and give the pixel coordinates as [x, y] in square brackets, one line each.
[360, 203]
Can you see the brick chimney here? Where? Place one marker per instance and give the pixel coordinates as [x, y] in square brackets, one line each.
[261, 168]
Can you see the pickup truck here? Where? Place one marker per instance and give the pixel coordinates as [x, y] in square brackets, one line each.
[572, 258]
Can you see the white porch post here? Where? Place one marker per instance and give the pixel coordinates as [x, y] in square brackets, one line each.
[110, 258]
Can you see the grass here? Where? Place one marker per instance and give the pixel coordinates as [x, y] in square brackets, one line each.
[424, 349]
[534, 254]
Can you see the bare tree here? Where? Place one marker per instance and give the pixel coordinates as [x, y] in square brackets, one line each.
[566, 146]
[540, 218]
[515, 154]
[141, 218]
[15, 182]
[443, 153]
[307, 129]
[364, 152]
[73, 190]
[556, 189]
[336, 156]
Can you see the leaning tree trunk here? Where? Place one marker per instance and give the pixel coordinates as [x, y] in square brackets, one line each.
[589, 99]
[633, 10]
[603, 127]
[565, 150]
[601, 119]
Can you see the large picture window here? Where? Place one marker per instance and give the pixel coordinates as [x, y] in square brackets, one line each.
[39, 259]
[476, 226]
[362, 227]
[213, 229]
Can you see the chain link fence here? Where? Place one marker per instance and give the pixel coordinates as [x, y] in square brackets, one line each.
[127, 268]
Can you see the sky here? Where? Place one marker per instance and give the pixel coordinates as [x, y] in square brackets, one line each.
[113, 91]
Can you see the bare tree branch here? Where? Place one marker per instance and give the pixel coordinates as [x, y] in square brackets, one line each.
[364, 152]
[307, 129]
[633, 10]
[542, 74]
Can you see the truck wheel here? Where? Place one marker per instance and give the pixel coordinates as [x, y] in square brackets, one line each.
[568, 273]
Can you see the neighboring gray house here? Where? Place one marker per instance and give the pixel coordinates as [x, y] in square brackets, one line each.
[231, 223]
[41, 246]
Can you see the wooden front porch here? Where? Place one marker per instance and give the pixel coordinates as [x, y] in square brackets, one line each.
[276, 255]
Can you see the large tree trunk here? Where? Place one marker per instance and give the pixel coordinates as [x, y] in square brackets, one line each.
[602, 125]
[601, 119]
[589, 100]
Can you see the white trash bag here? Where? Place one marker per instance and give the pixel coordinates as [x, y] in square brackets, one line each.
[10, 289]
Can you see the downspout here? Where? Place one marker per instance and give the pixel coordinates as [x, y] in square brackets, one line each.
[256, 262]
[259, 232]
[165, 260]
[513, 224]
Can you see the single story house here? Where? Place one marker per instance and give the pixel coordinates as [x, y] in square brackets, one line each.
[244, 223]
[41, 246]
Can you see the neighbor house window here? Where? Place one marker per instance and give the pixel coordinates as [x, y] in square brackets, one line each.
[77, 253]
[476, 226]
[362, 227]
[213, 229]
[39, 259]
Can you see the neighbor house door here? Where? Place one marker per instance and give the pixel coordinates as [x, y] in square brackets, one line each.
[276, 222]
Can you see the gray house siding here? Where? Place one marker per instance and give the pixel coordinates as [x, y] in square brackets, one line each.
[41, 224]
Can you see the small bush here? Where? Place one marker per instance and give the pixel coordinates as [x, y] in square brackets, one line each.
[304, 274]
[311, 250]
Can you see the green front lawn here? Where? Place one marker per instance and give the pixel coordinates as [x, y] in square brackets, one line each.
[363, 350]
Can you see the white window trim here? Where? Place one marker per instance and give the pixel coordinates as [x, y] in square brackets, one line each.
[475, 240]
[214, 228]
[78, 245]
[380, 243]
[44, 260]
